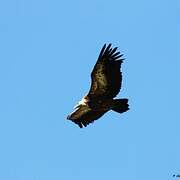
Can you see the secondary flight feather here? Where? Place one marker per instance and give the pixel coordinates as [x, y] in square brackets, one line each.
[106, 80]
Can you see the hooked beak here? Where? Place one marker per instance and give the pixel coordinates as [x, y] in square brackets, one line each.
[69, 117]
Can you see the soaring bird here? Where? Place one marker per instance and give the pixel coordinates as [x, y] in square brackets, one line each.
[106, 80]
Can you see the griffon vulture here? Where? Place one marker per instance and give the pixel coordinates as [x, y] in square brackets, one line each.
[106, 80]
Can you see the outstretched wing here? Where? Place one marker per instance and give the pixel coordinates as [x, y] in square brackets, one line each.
[106, 76]
[88, 118]
[83, 115]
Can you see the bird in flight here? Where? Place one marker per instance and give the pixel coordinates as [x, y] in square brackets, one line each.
[106, 80]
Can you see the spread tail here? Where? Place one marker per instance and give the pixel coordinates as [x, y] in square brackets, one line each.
[120, 105]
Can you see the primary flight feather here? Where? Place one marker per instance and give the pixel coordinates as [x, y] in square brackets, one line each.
[106, 79]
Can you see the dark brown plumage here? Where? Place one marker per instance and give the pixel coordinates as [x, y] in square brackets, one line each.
[106, 83]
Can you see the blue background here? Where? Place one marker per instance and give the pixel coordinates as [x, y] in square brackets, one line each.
[47, 51]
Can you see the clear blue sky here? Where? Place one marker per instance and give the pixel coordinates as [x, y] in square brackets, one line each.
[47, 51]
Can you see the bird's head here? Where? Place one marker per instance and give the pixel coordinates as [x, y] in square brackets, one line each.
[73, 115]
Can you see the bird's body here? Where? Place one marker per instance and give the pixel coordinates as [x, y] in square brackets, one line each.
[106, 83]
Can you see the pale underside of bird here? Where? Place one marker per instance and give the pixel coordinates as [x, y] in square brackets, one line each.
[106, 80]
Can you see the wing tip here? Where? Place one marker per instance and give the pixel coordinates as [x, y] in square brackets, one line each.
[82, 123]
[107, 52]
